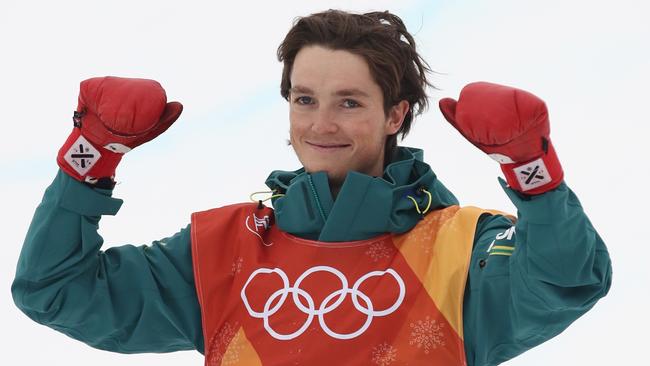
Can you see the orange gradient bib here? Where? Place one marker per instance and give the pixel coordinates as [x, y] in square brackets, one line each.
[269, 298]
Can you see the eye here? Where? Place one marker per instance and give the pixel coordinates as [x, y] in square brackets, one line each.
[303, 100]
[350, 103]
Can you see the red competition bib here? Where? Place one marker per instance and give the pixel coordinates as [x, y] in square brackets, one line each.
[270, 298]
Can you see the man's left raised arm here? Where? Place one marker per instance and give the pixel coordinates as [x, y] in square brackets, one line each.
[531, 279]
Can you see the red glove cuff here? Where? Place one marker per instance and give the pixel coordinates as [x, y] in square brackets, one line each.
[537, 175]
[84, 161]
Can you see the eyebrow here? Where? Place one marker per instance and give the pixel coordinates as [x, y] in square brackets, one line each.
[341, 93]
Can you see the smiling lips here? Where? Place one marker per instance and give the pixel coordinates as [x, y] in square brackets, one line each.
[327, 146]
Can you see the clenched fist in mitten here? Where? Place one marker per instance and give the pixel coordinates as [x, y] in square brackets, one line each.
[512, 126]
[114, 115]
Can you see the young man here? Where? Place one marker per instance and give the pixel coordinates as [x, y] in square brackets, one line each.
[365, 259]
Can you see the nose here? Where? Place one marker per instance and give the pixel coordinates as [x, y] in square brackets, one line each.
[324, 122]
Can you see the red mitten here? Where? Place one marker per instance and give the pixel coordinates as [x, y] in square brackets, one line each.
[512, 127]
[114, 115]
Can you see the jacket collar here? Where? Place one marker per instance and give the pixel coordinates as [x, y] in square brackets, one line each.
[365, 206]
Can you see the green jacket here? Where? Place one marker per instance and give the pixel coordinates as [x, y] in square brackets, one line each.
[525, 285]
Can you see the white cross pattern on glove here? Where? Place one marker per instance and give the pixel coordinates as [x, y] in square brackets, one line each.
[82, 155]
[532, 175]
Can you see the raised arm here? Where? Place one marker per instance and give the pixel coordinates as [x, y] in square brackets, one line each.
[528, 281]
[125, 299]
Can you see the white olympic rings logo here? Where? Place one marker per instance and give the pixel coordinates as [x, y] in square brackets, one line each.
[326, 306]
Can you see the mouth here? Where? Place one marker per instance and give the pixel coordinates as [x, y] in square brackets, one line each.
[327, 146]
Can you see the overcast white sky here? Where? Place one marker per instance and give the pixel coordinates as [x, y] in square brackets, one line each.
[589, 60]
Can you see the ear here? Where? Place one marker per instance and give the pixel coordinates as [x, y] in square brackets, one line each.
[396, 116]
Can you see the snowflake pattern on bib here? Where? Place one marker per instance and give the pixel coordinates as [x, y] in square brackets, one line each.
[426, 232]
[380, 250]
[220, 342]
[236, 266]
[427, 334]
[384, 354]
[231, 357]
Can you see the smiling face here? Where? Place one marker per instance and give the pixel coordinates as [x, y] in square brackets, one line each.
[338, 122]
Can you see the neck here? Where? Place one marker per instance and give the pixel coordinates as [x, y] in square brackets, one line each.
[335, 183]
[335, 189]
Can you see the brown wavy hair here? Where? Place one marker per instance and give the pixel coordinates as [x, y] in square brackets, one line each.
[382, 40]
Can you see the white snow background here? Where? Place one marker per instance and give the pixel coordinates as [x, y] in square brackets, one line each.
[589, 60]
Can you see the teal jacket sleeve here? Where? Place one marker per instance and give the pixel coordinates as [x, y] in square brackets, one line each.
[529, 282]
[126, 299]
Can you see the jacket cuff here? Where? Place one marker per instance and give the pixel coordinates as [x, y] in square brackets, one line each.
[77, 197]
[540, 208]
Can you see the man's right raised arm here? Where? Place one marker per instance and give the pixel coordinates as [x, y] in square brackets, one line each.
[126, 299]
